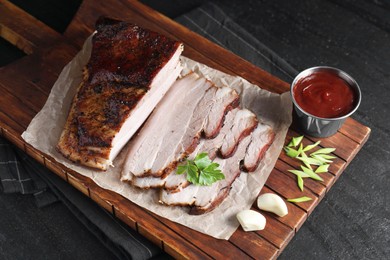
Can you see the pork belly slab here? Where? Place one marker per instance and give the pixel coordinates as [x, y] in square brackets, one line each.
[128, 73]
[173, 130]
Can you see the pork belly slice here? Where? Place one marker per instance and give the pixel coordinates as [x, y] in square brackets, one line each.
[161, 141]
[261, 139]
[203, 199]
[223, 103]
[128, 73]
[244, 123]
[174, 129]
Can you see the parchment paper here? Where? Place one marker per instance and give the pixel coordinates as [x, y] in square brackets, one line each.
[45, 129]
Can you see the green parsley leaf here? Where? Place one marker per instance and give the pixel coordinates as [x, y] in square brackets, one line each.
[301, 199]
[201, 170]
[210, 174]
[202, 161]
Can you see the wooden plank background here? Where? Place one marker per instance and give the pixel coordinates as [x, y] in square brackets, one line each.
[26, 83]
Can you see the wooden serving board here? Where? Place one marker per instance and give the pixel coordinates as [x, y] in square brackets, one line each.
[26, 83]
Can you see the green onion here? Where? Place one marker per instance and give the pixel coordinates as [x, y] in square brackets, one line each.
[301, 199]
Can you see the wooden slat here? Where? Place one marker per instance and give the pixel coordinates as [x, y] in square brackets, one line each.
[13, 137]
[296, 216]
[355, 130]
[15, 108]
[52, 165]
[215, 248]
[23, 30]
[276, 232]
[254, 245]
[287, 188]
[162, 233]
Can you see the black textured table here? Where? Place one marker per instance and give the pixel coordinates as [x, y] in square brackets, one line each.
[352, 221]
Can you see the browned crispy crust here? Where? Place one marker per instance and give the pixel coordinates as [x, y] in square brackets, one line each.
[125, 59]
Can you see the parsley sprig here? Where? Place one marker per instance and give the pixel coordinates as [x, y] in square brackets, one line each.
[201, 170]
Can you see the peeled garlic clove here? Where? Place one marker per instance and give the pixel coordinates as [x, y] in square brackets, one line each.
[251, 220]
[272, 203]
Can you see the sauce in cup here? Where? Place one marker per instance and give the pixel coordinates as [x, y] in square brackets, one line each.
[323, 98]
[324, 94]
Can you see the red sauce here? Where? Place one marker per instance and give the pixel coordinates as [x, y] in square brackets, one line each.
[324, 94]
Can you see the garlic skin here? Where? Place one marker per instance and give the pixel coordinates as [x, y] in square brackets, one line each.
[272, 203]
[251, 220]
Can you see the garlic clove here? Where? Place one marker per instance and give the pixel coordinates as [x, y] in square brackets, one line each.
[251, 220]
[272, 203]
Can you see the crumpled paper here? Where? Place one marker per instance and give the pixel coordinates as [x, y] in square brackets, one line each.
[45, 129]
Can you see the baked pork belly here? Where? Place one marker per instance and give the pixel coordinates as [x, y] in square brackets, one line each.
[173, 130]
[128, 73]
[261, 139]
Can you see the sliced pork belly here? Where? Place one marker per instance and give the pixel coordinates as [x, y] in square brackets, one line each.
[129, 71]
[205, 198]
[235, 121]
[244, 123]
[173, 130]
[261, 139]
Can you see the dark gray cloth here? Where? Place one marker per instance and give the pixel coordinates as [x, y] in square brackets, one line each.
[15, 177]
[124, 242]
[211, 22]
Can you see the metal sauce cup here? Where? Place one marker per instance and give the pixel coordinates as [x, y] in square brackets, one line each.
[317, 126]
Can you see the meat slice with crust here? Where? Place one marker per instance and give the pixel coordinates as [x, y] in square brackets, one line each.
[261, 139]
[129, 71]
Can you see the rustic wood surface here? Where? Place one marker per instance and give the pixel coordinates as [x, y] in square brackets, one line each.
[25, 85]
